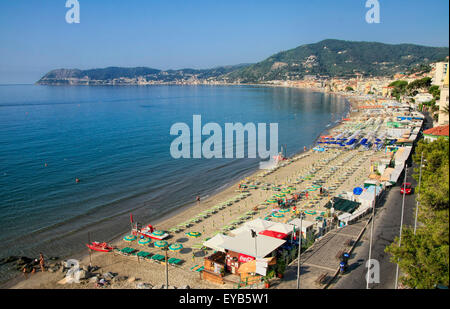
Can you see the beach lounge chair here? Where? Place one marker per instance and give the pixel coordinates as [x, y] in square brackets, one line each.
[144, 254]
[158, 258]
[197, 268]
[175, 261]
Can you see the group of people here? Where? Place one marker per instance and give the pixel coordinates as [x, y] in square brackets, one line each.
[33, 270]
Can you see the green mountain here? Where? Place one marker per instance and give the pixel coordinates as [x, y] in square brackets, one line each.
[118, 75]
[328, 58]
[335, 58]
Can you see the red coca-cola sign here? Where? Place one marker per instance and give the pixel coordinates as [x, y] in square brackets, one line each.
[245, 258]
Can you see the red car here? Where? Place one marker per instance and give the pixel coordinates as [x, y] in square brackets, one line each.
[406, 188]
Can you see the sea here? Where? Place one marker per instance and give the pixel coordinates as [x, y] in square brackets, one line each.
[116, 141]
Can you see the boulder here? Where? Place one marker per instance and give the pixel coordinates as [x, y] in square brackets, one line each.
[184, 287]
[24, 260]
[131, 279]
[84, 274]
[119, 279]
[144, 286]
[94, 279]
[108, 276]
[8, 259]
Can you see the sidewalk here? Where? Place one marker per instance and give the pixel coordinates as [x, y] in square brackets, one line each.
[322, 259]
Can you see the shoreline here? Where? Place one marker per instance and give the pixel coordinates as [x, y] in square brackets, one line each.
[164, 221]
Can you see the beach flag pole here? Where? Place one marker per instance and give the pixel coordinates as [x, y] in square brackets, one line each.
[89, 242]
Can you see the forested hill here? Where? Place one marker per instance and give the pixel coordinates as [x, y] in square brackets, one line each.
[335, 58]
[328, 58]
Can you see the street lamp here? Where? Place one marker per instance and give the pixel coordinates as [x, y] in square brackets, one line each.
[401, 226]
[299, 250]
[371, 233]
[418, 194]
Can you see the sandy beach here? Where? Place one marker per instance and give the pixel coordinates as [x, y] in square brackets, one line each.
[339, 171]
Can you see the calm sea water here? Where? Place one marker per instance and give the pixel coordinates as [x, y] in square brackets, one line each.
[116, 141]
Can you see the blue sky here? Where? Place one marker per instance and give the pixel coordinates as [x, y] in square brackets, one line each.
[35, 38]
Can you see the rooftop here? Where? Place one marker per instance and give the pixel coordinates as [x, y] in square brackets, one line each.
[438, 131]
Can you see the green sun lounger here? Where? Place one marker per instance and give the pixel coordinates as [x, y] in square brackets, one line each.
[144, 254]
[158, 257]
[175, 261]
[128, 250]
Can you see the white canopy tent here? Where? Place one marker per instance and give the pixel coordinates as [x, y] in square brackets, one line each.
[215, 242]
[258, 247]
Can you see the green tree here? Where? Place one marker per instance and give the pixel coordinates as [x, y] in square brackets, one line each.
[435, 92]
[424, 257]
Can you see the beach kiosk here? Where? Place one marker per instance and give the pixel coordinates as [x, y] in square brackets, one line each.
[244, 248]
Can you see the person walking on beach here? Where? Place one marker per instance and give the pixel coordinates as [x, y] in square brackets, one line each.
[24, 270]
[198, 199]
[41, 261]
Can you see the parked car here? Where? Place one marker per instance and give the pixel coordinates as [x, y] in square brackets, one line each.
[406, 188]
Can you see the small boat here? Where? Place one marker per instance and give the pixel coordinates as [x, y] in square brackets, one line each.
[99, 246]
[150, 232]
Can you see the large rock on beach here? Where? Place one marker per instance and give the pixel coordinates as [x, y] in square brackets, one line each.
[144, 286]
[119, 279]
[9, 259]
[108, 276]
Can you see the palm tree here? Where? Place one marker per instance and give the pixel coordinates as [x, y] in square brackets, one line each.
[445, 109]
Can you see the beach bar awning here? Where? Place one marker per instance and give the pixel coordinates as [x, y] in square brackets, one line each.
[258, 225]
[274, 234]
[343, 205]
[215, 242]
[244, 243]
[282, 228]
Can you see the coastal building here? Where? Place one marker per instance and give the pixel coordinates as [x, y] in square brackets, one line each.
[436, 132]
[306, 226]
[440, 73]
[444, 102]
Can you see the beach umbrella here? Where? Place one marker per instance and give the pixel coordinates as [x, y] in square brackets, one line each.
[278, 215]
[197, 246]
[158, 233]
[161, 243]
[129, 238]
[357, 190]
[272, 201]
[175, 247]
[193, 234]
[310, 212]
[284, 210]
[144, 241]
